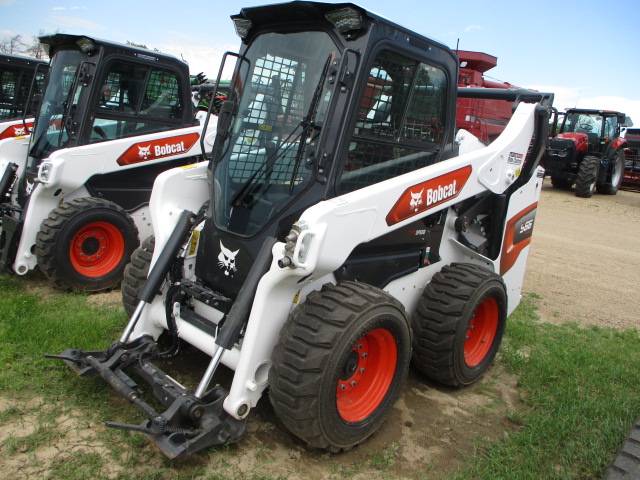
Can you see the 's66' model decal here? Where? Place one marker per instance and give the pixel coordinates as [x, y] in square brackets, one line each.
[517, 236]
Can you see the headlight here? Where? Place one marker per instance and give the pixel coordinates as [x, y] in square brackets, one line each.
[44, 172]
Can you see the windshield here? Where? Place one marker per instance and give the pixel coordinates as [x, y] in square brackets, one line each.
[48, 134]
[14, 90]
[589, 123]
[282, 101]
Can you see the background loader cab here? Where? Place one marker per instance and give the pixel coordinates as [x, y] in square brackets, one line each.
[75, 194]
[587, 151]
[335, 209]
[17, 76]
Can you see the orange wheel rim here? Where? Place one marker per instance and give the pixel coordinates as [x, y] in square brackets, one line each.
[96, 249]
[481, 332]
[367, 375]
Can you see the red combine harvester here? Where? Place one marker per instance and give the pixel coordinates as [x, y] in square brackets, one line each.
[483, 118]
[631, 177]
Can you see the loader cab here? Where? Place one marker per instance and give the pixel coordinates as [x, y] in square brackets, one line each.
[17, 74]
[326, 99]
[98, 91]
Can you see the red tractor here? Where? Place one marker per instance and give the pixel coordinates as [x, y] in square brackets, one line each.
[588, 151]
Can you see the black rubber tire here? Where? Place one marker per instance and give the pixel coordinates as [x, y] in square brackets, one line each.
[626, 465]
[136, 273]
[325, 340]
[587, 177]
[57, 232]
[561, 183]
[441, 324]
[615, 173]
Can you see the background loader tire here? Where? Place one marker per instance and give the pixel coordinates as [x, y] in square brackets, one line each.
[458, 325]
[587, 177]
[85, 244]
[340, 364]
[614, 175]
[136, 273]
[561, 183]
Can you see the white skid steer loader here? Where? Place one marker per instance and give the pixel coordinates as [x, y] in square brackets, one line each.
[74, 194]
[339, 232]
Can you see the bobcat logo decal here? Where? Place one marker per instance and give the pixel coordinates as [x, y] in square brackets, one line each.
[144, 152]
[227, 260]
[19, 132]
[416, 200]
[29, 187]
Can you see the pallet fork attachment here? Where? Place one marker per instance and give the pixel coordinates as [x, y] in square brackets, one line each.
[192, 420]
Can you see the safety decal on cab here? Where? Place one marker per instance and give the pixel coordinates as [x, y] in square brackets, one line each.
[517, 236]
[160, 148]
[16, 131]
[429, 194]
[515, 158]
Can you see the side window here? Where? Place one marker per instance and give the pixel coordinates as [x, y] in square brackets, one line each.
[136, 100]
[401, 121]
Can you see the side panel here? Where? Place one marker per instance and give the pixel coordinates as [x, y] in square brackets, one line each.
[519, 226]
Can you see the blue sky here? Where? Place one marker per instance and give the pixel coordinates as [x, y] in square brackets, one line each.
[586, 52]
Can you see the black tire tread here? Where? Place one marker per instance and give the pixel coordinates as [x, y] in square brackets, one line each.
[52, 227]
[587, 176]
[311, 332]
[608, 188]
[136, 273]
[626, 464]
[561, 183]
[434, 323]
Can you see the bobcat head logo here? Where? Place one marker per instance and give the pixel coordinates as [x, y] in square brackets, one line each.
[144, 152]
[29, 187]
[416, 200]
[19, 132]
[227, 260]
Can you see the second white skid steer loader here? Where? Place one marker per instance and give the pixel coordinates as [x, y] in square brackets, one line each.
[339, 232]
[74, 195]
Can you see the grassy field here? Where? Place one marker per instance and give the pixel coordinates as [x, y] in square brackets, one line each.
[579, 388]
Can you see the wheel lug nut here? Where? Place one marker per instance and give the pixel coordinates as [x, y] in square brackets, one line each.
[467, 337]
[359, 346]
[365, 355]
[362, 370]
[342, 386]
[353, 383]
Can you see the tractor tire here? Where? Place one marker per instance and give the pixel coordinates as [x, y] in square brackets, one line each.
[614, 175]
[136, 273]
[587, 177]
[561, 183]
[85, 244]
[459, 323]
[340, 364]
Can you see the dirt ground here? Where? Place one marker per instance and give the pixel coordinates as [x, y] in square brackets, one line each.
[584, 265]
[585, 258]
